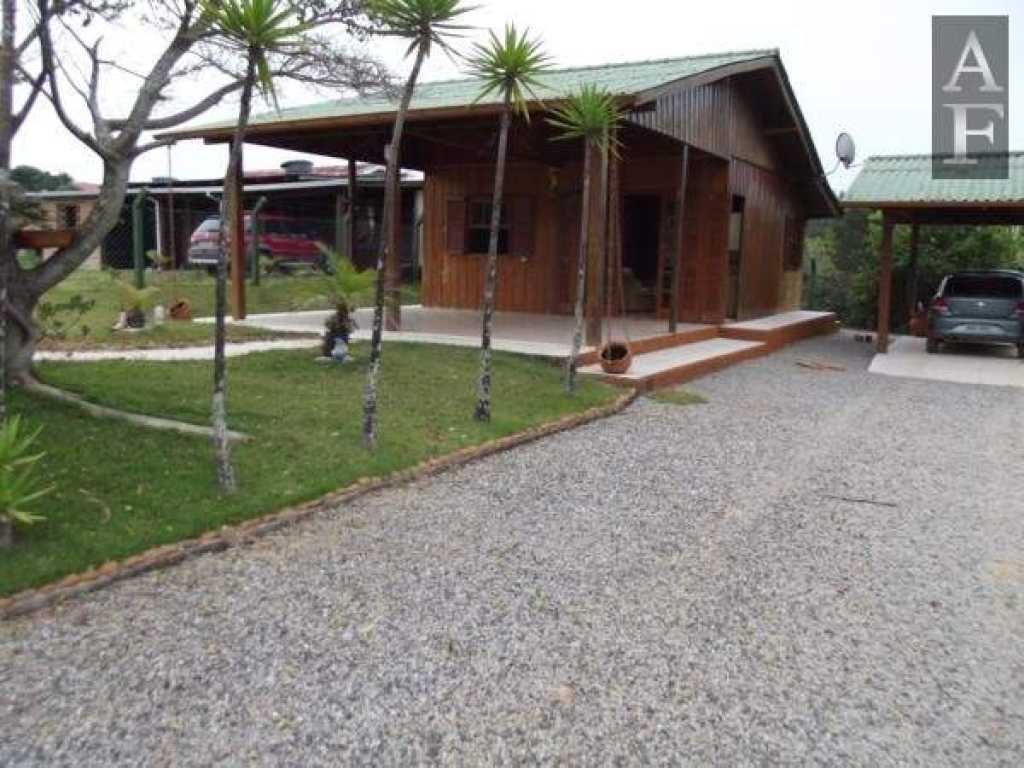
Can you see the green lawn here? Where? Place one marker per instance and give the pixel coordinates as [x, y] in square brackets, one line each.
[276, 293]
[122, 489]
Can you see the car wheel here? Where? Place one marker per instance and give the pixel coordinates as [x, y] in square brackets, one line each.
[932, 345]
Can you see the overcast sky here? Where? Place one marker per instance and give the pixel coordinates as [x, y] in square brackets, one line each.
[862, 66]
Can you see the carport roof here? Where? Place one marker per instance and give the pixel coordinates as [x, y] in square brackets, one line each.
[905, 181]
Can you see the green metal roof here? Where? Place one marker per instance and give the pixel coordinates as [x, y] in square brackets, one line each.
[908, 179]
[620, 79]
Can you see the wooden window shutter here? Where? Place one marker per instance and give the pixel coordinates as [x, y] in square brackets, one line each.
[523, 225]
[455, 227]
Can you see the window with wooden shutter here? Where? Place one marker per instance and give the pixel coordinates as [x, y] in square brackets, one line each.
[455, 223]
[523, 226]
[478, 231]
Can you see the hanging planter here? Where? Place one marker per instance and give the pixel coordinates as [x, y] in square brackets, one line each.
[616, 357]
[44, 238]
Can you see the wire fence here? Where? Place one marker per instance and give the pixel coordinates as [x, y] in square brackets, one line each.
[282, 233]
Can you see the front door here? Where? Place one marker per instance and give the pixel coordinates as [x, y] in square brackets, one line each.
[641, 231]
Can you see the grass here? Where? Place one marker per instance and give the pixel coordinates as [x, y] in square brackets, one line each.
[122, 489]
[303, 290]
[677, 396]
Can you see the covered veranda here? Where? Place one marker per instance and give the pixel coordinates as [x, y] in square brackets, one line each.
[903, 189]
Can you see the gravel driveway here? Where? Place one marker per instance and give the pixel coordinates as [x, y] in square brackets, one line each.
[675, 585]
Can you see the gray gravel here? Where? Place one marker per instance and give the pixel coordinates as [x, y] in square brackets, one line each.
[672, 585]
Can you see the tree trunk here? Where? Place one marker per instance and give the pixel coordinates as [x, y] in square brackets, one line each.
[218, 416]
[391, 177]
[581, 271]
[7, 253]
[483, 387]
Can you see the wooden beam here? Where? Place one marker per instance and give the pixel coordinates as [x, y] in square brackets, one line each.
[781, 131]
[680, 243]
[353, 200]
[237, 213]
[912, 271]
[885, 283]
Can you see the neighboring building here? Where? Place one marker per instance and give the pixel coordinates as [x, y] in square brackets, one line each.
[720, 137]
[66, 209]
[315, 198]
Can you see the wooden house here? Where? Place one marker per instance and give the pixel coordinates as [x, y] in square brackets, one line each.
[716, 179]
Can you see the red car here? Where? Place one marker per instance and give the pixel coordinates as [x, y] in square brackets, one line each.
[282, 238]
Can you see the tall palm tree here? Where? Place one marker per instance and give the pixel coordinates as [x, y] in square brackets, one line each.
[590, 115]
[424, 23]
[508, 67]
[256, 26]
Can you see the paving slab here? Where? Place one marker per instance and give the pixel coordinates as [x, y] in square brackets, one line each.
[961, 364]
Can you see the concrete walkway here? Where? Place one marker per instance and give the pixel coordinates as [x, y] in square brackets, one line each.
[817, 567]
[174, 354]
[522, 332]
[963, 364]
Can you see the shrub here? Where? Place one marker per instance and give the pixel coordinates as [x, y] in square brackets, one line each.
[19, 484]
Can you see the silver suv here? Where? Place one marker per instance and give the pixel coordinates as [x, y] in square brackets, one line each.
[985, 307]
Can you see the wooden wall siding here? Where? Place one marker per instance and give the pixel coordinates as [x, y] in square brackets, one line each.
[719, 118]
[769, 204]
[699, 116]
[702, 289]
[526, 283]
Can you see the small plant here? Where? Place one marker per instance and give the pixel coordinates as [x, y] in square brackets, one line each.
[135, 302]
[159, 260]
[346, 285]
[19, 485]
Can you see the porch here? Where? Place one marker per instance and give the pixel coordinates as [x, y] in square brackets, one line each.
[661, 357]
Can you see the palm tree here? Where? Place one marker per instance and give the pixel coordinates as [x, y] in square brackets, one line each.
[424, 23]
[590, 115]
[507, 67]
[256, 26]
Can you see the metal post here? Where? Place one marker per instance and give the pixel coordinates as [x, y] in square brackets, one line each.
[350, 218]
[138, 242]
[255, 231]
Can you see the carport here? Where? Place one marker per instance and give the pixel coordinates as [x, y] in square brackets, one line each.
[903, 188]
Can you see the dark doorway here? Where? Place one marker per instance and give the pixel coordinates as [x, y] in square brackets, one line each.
[641, 228]
[735, 255]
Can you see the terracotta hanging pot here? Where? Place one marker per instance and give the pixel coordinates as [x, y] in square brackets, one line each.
[616, 357]
[44, 238]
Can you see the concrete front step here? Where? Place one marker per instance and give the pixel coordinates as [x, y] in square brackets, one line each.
[675, 365]
[785, 328]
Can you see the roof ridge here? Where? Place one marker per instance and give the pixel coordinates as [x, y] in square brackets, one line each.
[632, 63]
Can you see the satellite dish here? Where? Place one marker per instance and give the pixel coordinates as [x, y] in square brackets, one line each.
[846, 150]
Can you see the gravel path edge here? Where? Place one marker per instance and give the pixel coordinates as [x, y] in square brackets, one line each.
[165, 556]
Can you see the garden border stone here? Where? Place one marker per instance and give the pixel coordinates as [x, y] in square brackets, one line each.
[164, 556]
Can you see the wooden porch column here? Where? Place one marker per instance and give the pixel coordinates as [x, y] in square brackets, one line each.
[912, 271]
[677, 259]
[238, 271]
[596, 256]
[885, 283]
[393, 266]
[350, 219]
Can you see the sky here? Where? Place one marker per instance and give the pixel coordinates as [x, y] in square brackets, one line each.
[862, 67]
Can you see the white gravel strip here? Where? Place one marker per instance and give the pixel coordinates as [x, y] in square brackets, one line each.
[235, 349]
[815, 568]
